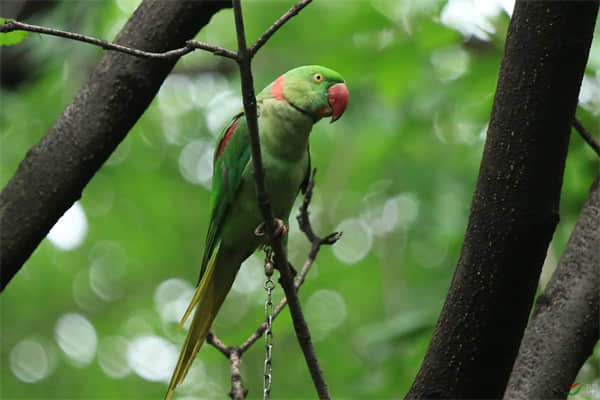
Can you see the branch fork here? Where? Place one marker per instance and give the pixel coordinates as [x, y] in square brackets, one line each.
[270, 228]
[234, 353]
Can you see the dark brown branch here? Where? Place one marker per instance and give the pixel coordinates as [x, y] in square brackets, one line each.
[589, 139]
[306, 227]
[567, 312]
[515, 206]
[234, 354]
[316, 243]
[55, 170]
[278, 24]
[286, 277]
[190, 45]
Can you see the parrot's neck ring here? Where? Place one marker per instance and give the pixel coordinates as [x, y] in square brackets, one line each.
[301, 110]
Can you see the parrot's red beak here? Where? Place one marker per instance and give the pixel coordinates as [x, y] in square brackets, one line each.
[337, 97]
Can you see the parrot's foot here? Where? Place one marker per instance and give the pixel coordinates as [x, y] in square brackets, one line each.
[280, 228]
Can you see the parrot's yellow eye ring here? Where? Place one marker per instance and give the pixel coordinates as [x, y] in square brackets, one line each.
[318, 77]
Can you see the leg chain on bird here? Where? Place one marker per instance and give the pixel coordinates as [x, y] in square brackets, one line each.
[269, 285]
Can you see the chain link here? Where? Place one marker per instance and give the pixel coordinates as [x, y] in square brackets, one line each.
[269, 286]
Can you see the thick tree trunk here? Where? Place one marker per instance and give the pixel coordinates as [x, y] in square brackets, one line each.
[515, 206]
[566, 321]
[55, 170]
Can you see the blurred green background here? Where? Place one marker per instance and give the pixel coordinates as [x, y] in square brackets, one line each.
[92, 313]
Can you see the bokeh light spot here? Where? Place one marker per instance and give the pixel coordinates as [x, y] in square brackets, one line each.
[153, 358]
[473, 17]
[250, 275]
[76, 336]
[234, 308]
[220, 109]
[29, 361]
[355, 243]
[589, 95]
[112, 356]
[83, 294]
[176, 96]
[108, 266]
[325, 310]
[195, 162]
[408, 208]
[69, 231]
[195, 379]
[450, 63]
[137, 325]
[172, 298]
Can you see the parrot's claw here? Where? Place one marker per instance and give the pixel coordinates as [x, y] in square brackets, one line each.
[280, 229]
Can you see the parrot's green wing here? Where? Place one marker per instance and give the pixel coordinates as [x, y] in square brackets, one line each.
[232, 155]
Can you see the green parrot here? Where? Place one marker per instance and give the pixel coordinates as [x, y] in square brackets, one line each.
[287, 110]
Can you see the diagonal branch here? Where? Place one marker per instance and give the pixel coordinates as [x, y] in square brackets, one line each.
[316, 243]
[237, 389]
[515, 206]
[286, 278]
[55, 171]
[28, 169]
[589, 139]
[567, 312]
[190, 45]
[278, 24]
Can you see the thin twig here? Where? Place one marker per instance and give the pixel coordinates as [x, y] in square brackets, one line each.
[586, 135]
[262, 327]
[278, 24]
[243, 57]
[304, 221]
[190, 45]
[316, 243]
[212, 339]
[286, 278]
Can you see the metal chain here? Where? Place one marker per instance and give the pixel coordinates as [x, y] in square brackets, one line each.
[269, 286]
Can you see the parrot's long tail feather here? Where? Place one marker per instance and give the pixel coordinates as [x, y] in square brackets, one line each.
[209, 297]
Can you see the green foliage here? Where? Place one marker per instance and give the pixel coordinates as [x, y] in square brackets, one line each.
[10, 38]
[396, 173]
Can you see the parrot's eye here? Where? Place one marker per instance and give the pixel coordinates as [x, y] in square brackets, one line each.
[318, 77]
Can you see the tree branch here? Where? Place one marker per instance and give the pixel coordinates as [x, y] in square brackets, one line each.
[213, 340]
[286, 278]
[243, 57]
[238, 392]
[55, 170]
[567, 312]
[515, 206]
[278, 24]
[316, 243]
[190, 45]
[589, 139]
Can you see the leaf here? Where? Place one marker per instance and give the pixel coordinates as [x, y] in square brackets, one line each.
[11, 38]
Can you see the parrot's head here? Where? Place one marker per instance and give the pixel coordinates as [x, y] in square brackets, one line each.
[314, 90]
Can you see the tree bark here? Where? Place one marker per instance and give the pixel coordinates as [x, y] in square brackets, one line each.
[566, 321]
[118, 91]
[515, 206]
